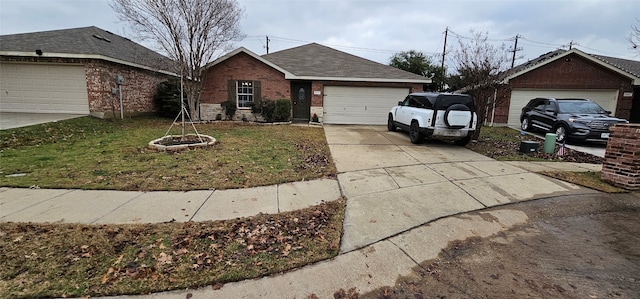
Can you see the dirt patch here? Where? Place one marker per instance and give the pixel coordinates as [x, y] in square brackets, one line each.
[572, 247]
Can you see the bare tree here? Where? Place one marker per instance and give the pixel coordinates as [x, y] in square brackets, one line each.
[634, 38]
[191, 32]
[480, 66]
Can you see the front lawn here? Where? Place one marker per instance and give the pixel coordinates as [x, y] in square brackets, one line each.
[89, 153]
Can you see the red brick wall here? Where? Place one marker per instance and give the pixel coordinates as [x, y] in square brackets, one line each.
[138, 89]
[571, 72]
[242, 67]
[622, 158]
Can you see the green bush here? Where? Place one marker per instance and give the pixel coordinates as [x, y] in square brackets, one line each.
[167, 98]
[282, 110]
[264, 107]
[229, 108]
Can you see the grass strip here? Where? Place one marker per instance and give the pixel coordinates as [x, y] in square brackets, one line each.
[61, 260]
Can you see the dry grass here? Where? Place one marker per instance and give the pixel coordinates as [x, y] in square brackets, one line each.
[59, 260]
[88, 153]
[588, 179]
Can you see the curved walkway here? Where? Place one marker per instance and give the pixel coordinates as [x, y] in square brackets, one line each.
[404, 204]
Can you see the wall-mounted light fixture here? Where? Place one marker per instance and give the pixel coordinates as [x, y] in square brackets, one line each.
[38, 52]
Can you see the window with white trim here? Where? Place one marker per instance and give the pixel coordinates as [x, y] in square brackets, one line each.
[244, 93]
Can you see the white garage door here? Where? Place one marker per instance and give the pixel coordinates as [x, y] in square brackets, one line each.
[43, 88]
[608, 99]
[360, 105]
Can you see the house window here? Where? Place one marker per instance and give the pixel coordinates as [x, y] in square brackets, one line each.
[244, 92]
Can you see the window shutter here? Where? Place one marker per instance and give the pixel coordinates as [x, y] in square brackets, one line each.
[257, 91]
[231, 90]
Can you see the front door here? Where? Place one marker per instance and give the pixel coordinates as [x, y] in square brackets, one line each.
[301, 99]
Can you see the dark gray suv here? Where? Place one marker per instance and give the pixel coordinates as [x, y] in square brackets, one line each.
[569, 119]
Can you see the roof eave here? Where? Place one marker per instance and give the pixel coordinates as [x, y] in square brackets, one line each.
[86, 56]
[356, 79]
[636, 80]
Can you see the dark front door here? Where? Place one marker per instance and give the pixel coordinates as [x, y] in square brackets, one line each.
[301, 99]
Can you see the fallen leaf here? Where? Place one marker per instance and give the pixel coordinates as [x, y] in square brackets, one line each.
[285, 252]
[164, 258]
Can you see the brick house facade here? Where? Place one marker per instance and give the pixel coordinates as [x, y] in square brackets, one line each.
[573, 70]
[103, 56]
[272, 81]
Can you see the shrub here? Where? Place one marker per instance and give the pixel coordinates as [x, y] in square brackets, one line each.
[229, 108]
[265, 107]
[167, 98]
[282, 110]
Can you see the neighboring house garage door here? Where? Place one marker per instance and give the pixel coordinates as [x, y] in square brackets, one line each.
[608, 99]
[360, 105]
[43, 88]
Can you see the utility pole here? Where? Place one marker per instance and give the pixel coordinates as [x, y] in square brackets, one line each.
[515, 49]
[444, 52]
[267, 43]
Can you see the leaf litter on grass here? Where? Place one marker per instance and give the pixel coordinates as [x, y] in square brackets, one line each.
[58, 260]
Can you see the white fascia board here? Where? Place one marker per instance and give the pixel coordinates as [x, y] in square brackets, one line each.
[86, 56]
[636, 80]
[248, 52]
[385, 80]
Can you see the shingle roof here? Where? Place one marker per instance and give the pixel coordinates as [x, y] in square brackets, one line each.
[86, 41]
[631, 67]
[318, 61]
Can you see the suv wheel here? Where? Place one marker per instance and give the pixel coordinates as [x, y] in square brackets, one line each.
[414, 133]
[526, 124]
[390, 125]
[561, 133]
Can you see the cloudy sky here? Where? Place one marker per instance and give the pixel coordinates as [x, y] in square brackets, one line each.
[376, 29]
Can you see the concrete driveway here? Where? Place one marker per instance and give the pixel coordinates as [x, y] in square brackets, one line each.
[10, 120]
[392, 185]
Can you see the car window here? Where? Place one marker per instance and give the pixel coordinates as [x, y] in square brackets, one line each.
[406, 101]
[540, 105]
[423, 102]
[582, 107]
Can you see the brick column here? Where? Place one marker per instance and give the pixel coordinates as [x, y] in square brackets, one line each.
[622, 159]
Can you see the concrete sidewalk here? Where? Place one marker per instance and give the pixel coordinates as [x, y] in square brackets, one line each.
[106, 206]
[405, 203]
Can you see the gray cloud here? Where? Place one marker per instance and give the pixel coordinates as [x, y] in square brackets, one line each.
[375, 29]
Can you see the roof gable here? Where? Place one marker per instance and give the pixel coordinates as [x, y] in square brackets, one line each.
[248, 52]
[627, 68]
[317, 62]
[84, 42]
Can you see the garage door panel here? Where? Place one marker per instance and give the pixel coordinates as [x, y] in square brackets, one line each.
[43, 88]
[608, 99]
[360, 105]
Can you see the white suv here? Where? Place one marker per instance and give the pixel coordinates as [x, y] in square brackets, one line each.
[444, 116]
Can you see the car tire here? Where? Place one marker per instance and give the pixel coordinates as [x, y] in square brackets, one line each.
[456, 107]
[463, 141]
[526, 124]
[391, 126]
[561, 133]
[414, 133]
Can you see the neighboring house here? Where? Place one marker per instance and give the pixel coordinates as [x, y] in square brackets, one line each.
[75, 71]
[338, 87]
[613, 83]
